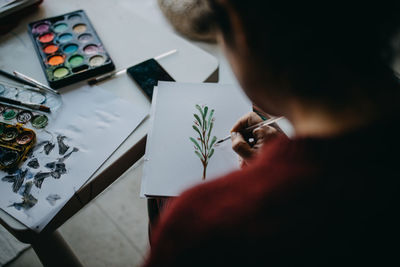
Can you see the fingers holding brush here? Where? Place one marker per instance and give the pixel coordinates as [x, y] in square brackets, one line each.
[248, 144]
[240, 142]
[246, 121]
[241, 146]
[264, 134]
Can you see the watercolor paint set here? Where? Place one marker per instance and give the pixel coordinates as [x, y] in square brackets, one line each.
[69, 49]
[15, 144]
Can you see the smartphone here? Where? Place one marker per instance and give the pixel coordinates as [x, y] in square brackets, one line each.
[147, 74]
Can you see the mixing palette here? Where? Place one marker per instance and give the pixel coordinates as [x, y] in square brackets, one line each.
[14, 114]
[69, 49]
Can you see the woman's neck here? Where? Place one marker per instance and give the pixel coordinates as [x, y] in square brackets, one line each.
[317, 122]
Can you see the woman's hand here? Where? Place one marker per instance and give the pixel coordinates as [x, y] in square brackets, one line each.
[258, 137]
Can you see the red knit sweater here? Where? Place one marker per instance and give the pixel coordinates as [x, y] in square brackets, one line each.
[313, 202]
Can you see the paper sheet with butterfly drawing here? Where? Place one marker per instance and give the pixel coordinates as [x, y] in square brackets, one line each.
[91, 124]
[186, 121]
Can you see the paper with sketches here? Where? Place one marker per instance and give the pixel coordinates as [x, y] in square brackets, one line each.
[173, 161]
[89, 127]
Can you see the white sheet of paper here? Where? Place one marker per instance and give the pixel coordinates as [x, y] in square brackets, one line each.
[93, 120]
[4, 3]
[171, 165]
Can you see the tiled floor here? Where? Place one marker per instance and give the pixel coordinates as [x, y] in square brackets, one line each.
[110, 231]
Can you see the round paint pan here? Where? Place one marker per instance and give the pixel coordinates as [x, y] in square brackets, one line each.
[31, 97]
[10, 93]
[46, 37]
[75, 61]
[55, 60]
[96, 61]
[24, 116]
[65, 38]
[9, 114]
[9, 134]
[25, 138]
[9, 158]
[40, 121]
[41, 27]
[50, 49]
[53, 101]
[84, 38]
[74, 17]
[91, 49]
[70, 48]
[79, 28]
[37, 98]
[60, 27]
[60, 72]
[24, 96]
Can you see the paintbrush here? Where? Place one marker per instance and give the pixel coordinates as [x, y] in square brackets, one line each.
[19, 86]
[252, 128]
[28, 83]
[35, 83]
[122, 71]
[106, 76]
[15, 78]
[23, 104]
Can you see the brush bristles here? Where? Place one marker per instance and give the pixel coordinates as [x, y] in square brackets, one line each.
[44, 109]
[92, 82]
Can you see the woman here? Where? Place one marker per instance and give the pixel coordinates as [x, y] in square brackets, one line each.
[330, 195]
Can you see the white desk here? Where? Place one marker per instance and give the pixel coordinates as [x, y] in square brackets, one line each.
[129, 39]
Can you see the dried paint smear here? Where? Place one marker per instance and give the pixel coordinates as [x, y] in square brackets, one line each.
[37, 170]
[28, 201]
[52, 199]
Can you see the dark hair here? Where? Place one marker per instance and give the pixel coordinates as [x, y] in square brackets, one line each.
[325, 49]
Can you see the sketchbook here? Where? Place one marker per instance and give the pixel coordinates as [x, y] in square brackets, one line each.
[186, 120]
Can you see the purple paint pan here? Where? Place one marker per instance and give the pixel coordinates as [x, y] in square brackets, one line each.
[91, 49]
[41, 27]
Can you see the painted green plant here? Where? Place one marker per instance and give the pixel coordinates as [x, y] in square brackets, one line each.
[203, 143]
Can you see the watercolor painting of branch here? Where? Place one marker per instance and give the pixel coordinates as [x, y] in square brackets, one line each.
[203, 145]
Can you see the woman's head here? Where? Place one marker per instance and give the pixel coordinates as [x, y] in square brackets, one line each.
[330, 53]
